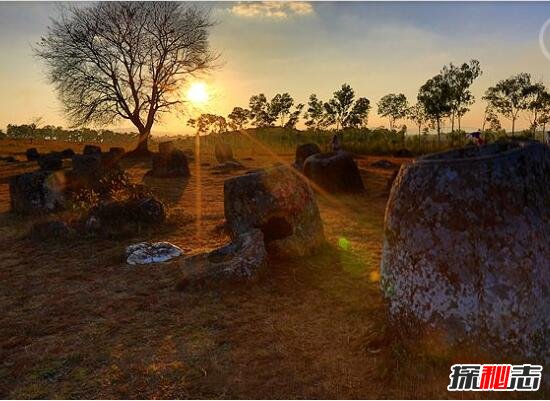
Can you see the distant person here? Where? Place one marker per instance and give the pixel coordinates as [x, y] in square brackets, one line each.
[476, 138]
[335, 144]
[547, 138]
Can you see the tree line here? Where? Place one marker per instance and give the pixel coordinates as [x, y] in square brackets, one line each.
[50, 132]
[446, 97]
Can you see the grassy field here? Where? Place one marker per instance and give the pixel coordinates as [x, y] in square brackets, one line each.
[77, 322]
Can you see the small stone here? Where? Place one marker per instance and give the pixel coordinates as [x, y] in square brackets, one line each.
[67, 153]
[32, 154]
[303, 152]
[52, 161]
[165, 148]
[173, 165]
[91, 150]
[37, 192]
[334, 172]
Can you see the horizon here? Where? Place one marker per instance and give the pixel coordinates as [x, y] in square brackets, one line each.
[308, 47]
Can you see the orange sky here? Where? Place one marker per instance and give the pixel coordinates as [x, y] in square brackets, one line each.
[305, 48]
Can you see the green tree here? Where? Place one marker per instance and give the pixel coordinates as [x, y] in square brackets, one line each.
[436, 97]
[280, 106]
[343, 111]
[294, 117]
[359, 115]
[536, 97]
[510, 96]
[260, 112]
[315, 113]
[460, 79]
[338, 108]
[417, 114]
[209, 124]
[544, 111]
[394, 107]
[238, 118]
[491, 118]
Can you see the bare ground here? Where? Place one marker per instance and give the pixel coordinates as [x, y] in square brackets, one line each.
[77, 322]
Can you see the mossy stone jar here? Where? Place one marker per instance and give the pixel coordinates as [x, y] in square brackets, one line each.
[467, 247]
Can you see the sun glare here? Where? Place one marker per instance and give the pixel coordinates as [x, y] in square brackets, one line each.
[198, 93]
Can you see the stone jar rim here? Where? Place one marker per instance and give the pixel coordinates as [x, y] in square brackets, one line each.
[440, 158]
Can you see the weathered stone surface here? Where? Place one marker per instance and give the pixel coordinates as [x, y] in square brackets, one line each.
[334, 172]
[466, 247]
[147, 252]
[37, 192]
[91, 150]
[280, 203]
[165, 148]
[111, 159]
[172, 165]
[96, 171]
[67, 153]
[89, 164]
[240, 259]
[32, 154]
[52, 161]
[223, 152]
[86, 171]
[303, 152]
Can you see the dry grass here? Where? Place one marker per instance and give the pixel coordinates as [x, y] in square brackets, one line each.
[77, 322]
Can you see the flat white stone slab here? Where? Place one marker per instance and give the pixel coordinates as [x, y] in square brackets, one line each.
[146, 252]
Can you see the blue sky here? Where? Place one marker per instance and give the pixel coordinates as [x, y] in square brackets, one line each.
[306, 48]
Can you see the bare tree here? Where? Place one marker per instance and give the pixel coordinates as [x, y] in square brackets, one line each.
[125, 60]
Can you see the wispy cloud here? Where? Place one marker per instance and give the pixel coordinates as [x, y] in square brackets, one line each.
[272, 9]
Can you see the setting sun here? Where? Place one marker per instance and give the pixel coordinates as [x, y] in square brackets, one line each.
[198, 93]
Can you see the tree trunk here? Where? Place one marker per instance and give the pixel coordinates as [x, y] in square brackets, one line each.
[453, 122]
[438, 133]
[142, 148]
[513, 125]
[143, 142]
[419, 139]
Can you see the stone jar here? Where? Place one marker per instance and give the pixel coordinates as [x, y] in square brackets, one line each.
[467, 247]
[280, 203]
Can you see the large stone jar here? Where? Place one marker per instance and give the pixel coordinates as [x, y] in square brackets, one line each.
[280, 203]
[467, 247]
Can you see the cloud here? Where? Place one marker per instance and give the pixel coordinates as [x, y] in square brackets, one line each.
[272, 9]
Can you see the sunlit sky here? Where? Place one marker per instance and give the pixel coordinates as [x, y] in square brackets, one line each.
[305, 48]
